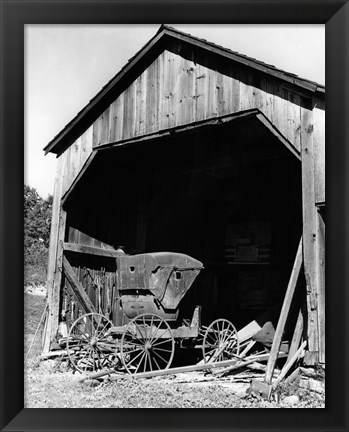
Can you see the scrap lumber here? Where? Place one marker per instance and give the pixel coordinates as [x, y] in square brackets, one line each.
[287, 367]
[297, 335]
[284, 313]
[77, 288]
[56, 353]
[248, 361]
[171, 371]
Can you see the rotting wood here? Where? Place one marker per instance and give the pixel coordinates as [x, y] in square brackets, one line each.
[284, 313]
[78, 289]
[90, 250]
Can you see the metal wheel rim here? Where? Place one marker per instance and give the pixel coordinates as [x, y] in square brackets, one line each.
[92, 350]
[219, 333]
[141, 358]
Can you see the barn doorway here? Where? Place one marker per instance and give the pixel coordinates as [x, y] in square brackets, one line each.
[229, 196]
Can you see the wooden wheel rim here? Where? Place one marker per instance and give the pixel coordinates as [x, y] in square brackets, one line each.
[143, 347]
[220, 335]
[96, 352]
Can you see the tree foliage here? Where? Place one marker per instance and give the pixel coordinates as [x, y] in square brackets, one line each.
[37, 225]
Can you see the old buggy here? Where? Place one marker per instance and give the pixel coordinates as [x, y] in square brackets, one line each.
[150, 289]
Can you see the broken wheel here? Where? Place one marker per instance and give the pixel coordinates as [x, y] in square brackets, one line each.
[220, 341]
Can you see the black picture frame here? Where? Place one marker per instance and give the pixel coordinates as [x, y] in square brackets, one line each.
[14, 15]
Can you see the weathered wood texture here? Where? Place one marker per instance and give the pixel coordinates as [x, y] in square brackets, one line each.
[309, 227]
[183, 86]
[175, 90]
[320, 260]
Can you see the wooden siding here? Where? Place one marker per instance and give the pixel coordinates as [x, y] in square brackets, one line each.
[175, 91]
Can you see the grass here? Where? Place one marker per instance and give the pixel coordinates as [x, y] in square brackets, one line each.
[49, 384]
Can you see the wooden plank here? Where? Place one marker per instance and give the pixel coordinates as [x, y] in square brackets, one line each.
[78, 289]
[90, 250]
[86, 146]
[280, 102]
[181, 129]
[290, 363]
[188, 93]
[152, 99]
[201, 92]
[293, 133]
[297, 335]
[309, 227]
[284, 313]
[53, 250]
[320, 260]
[141, 95]
[319, 152]
[55, 254]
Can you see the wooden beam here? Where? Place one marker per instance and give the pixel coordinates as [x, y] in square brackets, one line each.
[78, 289]
[53, 284]
[90, 250]
[284, 313]
[309, 232]
[320, 255]
[213, 121]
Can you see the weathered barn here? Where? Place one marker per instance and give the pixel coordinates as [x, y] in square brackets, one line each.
[196, 149]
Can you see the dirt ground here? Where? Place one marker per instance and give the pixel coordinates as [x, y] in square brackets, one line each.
[50, 384]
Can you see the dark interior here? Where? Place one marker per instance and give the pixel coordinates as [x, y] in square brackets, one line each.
[229, 196]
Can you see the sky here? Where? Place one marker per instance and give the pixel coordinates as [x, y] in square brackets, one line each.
[66, 65]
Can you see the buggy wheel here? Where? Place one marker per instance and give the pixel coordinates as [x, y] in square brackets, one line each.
[89, 346]
[220, 341]
[147, 344]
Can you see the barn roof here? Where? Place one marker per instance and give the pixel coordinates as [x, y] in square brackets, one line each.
[165, 33]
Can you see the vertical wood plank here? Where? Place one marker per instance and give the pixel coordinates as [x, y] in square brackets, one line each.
[50, 326]
[320, 252]
[86, 145]
[319, 154]
[309, 227]
[202, 88]
[152, 100]
[293, 133]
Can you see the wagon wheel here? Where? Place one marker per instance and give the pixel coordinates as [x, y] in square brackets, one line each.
[220, 341]
[89, 346]
[147, 344]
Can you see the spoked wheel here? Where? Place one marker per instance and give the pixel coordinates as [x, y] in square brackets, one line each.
[89, 346]
[220, 341]
[147, 344]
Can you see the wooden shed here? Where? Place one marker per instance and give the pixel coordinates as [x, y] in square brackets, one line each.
[197, 149]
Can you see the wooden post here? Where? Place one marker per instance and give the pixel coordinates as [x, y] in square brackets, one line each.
[284, 314]
[320, 255]
[309, 230]
[57, 226]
